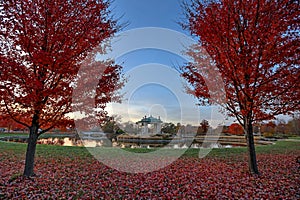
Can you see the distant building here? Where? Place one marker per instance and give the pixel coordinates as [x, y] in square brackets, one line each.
[190, 130]
[149, 126]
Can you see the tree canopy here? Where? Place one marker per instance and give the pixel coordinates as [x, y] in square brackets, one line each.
[255, 47]
[42, 46]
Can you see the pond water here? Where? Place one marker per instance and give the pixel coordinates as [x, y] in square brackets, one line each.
[62, 141]
[90, 139]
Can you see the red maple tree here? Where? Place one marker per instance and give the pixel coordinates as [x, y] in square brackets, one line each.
[236, 129]
[9, 124]
[42, 45]
[98, 83]
[255, 47]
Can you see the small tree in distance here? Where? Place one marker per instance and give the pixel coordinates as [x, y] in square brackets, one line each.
[294, 125]
[169, 128]
[203, 128]
[255, 47]
[42, 46]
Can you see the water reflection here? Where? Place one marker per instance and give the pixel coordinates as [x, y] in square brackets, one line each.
[63, 141]
[74, 142]
[99, 139]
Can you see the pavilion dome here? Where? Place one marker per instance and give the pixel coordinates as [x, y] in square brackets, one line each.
[150, 120]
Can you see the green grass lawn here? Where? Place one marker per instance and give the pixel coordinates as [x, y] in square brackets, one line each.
[13, 134]
[279, 147]
[295, 137]
[25, 134]
[19, 149]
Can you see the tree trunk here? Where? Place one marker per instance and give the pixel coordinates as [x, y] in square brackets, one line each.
[30, 153]
[252, 163]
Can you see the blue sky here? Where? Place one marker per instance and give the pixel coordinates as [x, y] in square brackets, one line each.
[154, 85]
[151, 13]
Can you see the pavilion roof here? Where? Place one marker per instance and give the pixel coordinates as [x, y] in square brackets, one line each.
[150, 120]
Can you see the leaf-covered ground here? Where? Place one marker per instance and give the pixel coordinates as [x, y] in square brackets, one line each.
[83, 177]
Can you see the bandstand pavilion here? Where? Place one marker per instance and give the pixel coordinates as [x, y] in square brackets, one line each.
[149, 125]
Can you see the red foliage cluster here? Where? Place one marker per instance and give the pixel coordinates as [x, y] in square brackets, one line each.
[42, 47]
[9, 124]
[236, 129]
[254, 45]
[187, 178]
[251, 48]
